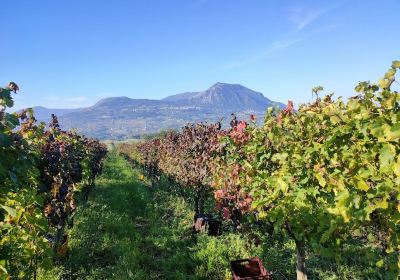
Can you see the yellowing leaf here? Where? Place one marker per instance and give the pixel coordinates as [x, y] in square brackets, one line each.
[396, 64]
[390, 73]
[320, 179]
[2, 268]
[394, 133]
[262, 214]
[361, 184]
[344, 214]
[386, 156]
[335, 119]
[396, 167]
[247, 164]
[283, 185]
[381, 204]
[379, 263]
[383, 83]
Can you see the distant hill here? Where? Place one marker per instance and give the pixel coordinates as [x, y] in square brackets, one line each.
[44, 114]
[123, 117]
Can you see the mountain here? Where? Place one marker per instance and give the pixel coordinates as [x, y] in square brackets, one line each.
[180, 96]
[44, 114]
[231, 97]
[124, 117]
[113, 102]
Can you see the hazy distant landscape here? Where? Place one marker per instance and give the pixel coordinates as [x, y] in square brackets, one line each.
[119, 118]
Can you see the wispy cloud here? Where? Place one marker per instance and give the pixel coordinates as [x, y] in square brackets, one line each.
[274, 47]
[303, 17]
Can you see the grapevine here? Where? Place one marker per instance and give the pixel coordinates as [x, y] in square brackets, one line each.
[42, 172]
[323, 175]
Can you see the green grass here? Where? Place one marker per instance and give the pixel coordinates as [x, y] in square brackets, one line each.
[129, 231]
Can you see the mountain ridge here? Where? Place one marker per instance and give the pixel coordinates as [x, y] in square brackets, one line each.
[123, 117]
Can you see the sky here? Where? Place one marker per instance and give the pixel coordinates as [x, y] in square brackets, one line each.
[72, 53]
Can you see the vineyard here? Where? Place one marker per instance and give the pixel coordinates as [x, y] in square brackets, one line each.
[324, 176]
[44, 173]
[313, 193]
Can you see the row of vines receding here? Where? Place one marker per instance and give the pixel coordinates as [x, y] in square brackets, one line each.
[43, 172]
[323, 175]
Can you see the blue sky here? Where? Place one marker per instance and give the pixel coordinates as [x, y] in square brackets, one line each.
[71, 53]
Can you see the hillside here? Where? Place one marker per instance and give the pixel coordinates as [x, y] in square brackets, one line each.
[124, 117]
[44, 114]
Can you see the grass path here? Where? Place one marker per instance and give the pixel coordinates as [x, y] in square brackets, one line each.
[124, 232]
